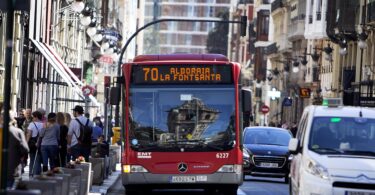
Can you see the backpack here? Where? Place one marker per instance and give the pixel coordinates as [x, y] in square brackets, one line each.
[85, 133]
[33, 141]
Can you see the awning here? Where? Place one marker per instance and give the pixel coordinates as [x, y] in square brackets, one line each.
[62, 69]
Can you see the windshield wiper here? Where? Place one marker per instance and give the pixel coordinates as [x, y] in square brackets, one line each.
[193, 141]
[149, 146]
[328, 150]
[271, 144]
[359, 152]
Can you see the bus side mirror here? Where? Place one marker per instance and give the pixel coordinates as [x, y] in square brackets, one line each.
[246, 100]
[115, 96]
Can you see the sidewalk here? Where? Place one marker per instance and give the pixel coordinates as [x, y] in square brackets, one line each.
[96, 189]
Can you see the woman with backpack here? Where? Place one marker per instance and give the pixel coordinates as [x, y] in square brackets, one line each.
[50, 142]
[32, 137]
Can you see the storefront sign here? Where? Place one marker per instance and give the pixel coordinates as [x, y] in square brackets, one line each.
[287, 101]
[304, 92]
[105, 59]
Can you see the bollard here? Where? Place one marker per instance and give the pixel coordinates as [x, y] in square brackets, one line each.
[47, 187]
[75, 180]
[23, 192]
[98, 166]
[66, 183]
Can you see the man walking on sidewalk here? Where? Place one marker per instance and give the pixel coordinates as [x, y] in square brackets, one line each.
[79, 135]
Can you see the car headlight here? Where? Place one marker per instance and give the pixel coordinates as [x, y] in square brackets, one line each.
[290, 157]
[245, 153]
[317, 169]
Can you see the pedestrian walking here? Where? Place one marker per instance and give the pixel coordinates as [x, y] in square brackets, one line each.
[97, 130]
[43, 112]
[79, 135]
[28, 119]
[20, 119]
[18, 149]
[50, 141]
[32, 137]
[63, 139]
[68, 119]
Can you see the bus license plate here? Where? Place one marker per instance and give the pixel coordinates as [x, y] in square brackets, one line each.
[359, 193]
[188, 179]
[269, 165]
[183, 179]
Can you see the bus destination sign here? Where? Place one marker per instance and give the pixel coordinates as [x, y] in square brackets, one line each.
[182, 74]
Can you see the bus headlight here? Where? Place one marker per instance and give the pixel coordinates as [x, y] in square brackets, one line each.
[134, 169]
[230, 169]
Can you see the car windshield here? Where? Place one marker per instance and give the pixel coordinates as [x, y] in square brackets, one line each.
[186, 117]
[264, 136]
[343, 135]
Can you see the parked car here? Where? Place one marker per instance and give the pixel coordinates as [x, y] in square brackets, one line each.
[267, 148]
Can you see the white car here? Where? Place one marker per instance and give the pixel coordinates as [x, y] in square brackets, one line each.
[334, 151]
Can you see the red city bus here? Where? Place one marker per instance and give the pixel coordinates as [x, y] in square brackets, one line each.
[183, 123]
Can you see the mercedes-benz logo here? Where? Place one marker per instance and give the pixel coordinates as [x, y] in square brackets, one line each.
[182, 167]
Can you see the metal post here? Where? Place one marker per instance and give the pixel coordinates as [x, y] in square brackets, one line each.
[87, 99]
[106, 130]
[7, 93]
[360, 79]
[264, 119]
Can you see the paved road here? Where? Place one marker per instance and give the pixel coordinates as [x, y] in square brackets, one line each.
[252, 185]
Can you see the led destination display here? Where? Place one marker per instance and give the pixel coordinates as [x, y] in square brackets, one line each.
[182, 74]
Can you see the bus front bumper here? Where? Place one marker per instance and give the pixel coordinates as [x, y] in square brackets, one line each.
[181, 179]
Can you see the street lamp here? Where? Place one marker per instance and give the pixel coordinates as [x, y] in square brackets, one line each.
[295, 66]
[362, 40]
[343, 47]
[78, 6]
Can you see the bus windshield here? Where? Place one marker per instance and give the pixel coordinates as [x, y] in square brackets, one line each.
[185, 118]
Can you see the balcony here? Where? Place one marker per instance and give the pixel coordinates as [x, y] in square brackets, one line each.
[276, 5]
[296, 29]
[283, 43]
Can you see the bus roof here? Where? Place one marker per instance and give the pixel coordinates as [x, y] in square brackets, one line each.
[176, 57]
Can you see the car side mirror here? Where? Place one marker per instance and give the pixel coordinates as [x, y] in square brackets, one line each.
[293, 146]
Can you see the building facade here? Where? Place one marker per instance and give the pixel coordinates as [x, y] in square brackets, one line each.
[172, 37]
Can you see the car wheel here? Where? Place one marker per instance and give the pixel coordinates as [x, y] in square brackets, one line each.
[286, 179]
